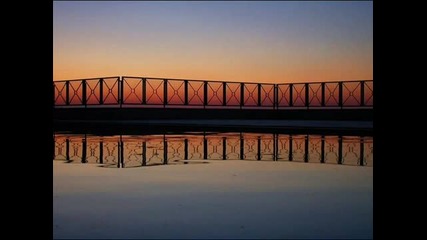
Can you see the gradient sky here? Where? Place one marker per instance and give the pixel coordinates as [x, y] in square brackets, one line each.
[241, 41]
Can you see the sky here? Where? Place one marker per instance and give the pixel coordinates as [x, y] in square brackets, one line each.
[253, 41]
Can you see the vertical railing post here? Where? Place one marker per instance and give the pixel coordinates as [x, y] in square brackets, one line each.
[323, 94]
[165, 150]
[340, 158]
[144, 91]
[54, 97]
[101, 91]
[185, 92]
[84, 146]
[322, 149]
[259, 94]
[121, 91]
[242, 147]
[84, 100]
[224, 148]
[258, 155]
[306, 148]
[362, 152]
[205, 147]
[290, 148]
[165, 92]
[276, 96]
[224, 94]
[362, 93]
[67, 149]
[307, 95]
[67, 93]
[186, 149]
[340, 95]
[242, 95]
[144, 153]
[101, 152]
[291, 97]
[205, 93]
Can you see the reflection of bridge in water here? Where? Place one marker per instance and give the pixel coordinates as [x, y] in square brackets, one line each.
[130, 98]
[146, 150]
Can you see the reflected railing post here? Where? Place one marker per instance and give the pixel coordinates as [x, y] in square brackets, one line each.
[224, 94]
[186, 92]
[322, 149]
[101, 91]
[84, 146]
[144, 91]
[121, 153]
[144, 153]
[205, 147]
[306, 148]
[67, 149]
[258, 155]
[362, 93]
[224, 148]
[290, 148]
[340, 157]
[54, 146]
[165, 92]
[323, 94]
[101, 152]
[67, 93]
[275, 147]
[118, 154]
[165, 150]
[186, 149]
[362, 151]
[307, 95]
[242, 95]
[259, 94]
[242, 146]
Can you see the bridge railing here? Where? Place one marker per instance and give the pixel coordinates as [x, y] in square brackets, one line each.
[325, 94]
[152, 92]
[83, 92]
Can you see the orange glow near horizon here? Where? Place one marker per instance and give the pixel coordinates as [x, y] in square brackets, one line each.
[286, 42]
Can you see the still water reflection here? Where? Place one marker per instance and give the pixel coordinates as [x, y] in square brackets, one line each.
[148, 150]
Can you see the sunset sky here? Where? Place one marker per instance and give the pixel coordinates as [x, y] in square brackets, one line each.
[274, 42]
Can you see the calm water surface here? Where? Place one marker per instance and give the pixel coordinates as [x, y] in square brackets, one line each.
[202, 147]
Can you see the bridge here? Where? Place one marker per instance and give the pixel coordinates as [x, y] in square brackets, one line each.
[141, 100]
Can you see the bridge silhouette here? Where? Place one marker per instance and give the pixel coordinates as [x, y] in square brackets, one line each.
[106, 100]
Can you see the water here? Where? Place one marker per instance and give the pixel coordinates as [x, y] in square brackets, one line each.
[125, 151]
[212, 185]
